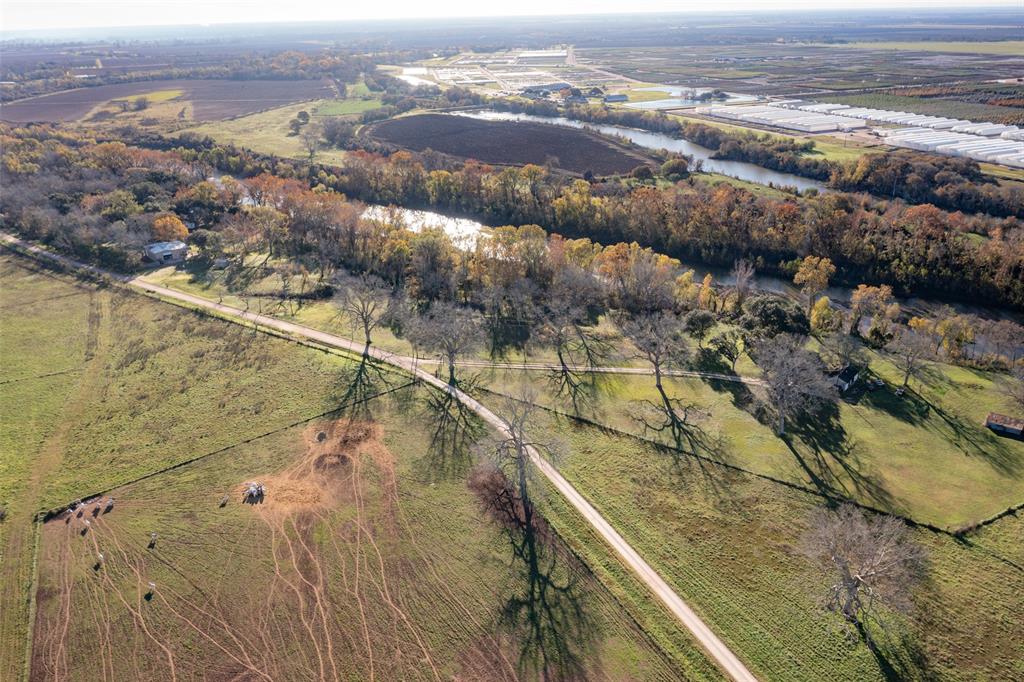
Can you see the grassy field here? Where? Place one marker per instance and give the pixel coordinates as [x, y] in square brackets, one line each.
[729, 542]
[643, 95]
[268, 131]
[926, 455]
[40, 378]
[101, 388]
[756, 188]
[156, 96]
[726, 539]
[344, 107]
[369, 557]
[1005, 47]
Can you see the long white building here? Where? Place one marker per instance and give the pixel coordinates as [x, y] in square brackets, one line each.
[990, 142]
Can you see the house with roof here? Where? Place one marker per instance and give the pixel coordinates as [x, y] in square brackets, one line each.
[165, 252]
[1005, 425]
[846, 378]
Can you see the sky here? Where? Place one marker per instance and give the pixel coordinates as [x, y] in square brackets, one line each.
[17, 15]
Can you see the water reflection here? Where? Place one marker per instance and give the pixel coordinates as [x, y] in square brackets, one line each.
[644, 138]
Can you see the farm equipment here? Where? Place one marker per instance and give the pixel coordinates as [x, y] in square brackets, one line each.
[254, 493]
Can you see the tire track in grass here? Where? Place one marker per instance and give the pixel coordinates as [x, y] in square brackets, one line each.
[380, 454]
[298, 594]
[365, 449]
[359, 561]
[48, 460]
[136, 613]
[101, 522]
[318, 594]
[316, 607]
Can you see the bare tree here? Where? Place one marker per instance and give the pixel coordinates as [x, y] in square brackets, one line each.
[659, 340]
[578, 346]
[743, 274]
[844, 349]
[363, 300]
[794, 378]
[311, 140]
[910, 352]
[869, 562]
[452, 332]
[1013, 387]
[513, 451]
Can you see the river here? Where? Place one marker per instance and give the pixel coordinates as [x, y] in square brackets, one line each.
[643, 138]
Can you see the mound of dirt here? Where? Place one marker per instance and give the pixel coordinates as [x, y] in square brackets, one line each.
[322, 476]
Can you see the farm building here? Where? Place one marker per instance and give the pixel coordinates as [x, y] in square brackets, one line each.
[543, 89]
[846, 378]
[1009, 426]
[165, 252]
[616, 98]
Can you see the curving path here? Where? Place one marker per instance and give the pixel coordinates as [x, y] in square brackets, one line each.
[716, 649]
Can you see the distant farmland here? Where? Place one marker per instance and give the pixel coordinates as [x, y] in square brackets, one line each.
[509, 143]
[211, 100]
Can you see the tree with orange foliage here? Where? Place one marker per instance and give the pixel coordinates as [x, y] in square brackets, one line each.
[168, 227]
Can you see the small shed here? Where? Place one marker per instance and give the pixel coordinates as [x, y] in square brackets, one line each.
[166, 252]
[846, 378]
[1004, 425]
[616, 98]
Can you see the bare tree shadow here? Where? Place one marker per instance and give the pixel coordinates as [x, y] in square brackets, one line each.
[457, 430]
[579, 388]
[545, 613]
[831, 460]
[679, 423]
[359, 383]
[898, 654]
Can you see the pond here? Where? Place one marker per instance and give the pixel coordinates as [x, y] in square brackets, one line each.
[643, 138]
[685, 97]
[462, 231]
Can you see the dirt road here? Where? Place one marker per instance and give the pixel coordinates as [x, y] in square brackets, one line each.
[717, 649]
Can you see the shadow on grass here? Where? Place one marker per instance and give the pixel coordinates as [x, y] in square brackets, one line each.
[358, 384]
[545, 614]
[829, 459]
[970, 437]
[742, 397]
[457, 429]
[898, 654]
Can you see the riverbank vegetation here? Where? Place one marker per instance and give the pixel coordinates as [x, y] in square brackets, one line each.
[100, 198]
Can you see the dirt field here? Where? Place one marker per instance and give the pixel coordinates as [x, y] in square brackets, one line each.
[210, 100]
[509, 143]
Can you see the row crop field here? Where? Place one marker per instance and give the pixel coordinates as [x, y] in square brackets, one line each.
[504, 142]
[971, 111]
[209, 100]
[797, 69]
